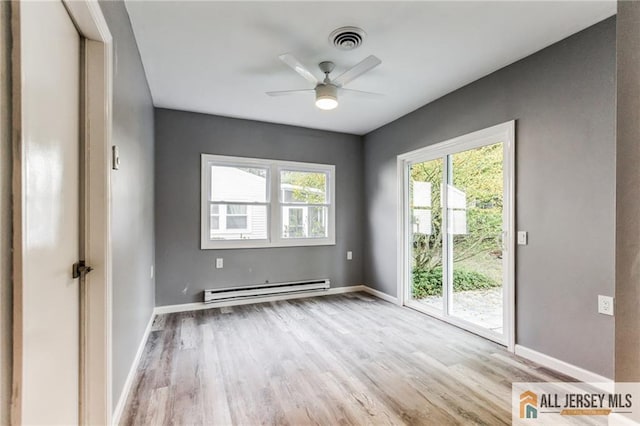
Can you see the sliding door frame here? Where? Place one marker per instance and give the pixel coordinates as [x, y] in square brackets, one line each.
[504, 133]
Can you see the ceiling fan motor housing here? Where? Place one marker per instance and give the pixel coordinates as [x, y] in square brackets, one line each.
[326, 96]
[327, 90]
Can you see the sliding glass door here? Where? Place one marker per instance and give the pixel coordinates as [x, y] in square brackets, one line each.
[476, 227]
[457, 261]
[426, 233]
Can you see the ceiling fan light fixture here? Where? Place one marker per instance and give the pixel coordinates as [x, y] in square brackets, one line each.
[326, 103]
[326, 96]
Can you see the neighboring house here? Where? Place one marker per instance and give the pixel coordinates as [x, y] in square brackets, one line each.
[237, 221]
[244, 218]
[422, 209]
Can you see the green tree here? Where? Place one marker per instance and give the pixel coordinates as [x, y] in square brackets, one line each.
[478, 174]
[309, 187]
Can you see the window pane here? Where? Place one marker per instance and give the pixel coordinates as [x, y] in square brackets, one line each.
[293, 222]
[236, 209]
[236, 222]
[250, 224]
[422, 221]
[318, 222]
[421, 194]
[304, 222]
[296, 223]
[303, 187]
[229, 183]
[215, 222]
[214, 209]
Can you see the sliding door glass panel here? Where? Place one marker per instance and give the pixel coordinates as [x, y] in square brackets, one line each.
[474, 231]
[425, 239]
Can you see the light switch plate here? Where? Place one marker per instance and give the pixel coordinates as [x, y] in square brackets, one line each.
[605, 305]
[219, 263]
[349, 255]
[115, 161]
[523, 238]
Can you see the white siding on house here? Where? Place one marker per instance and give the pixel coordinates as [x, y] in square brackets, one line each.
[258, 221]
[239, 185]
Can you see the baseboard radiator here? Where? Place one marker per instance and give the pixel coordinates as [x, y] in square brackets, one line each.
[264, 290]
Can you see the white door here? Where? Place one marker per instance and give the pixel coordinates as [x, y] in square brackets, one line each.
[47, 316]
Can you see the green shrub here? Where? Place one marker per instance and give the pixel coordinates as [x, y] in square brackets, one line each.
[429, 283]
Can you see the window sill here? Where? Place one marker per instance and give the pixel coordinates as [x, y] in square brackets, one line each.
[230, 245]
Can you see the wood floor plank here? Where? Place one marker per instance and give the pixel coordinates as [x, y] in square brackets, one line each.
[156, 410]
[214, 395]
[337, 360]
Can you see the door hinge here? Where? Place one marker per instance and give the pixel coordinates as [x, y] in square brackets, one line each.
[80, 268]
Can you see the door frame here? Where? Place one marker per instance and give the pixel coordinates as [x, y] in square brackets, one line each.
[95, 295]
[505, 133]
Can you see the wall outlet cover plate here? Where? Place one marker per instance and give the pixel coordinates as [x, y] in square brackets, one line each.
[605, 305]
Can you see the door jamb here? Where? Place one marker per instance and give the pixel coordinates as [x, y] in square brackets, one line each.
[96, 406]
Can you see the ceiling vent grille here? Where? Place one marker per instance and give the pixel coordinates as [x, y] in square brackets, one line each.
[347, 38]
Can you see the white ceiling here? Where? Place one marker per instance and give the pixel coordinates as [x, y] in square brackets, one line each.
[221, 57]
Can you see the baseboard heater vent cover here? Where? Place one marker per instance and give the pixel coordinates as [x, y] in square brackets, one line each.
[263, 290]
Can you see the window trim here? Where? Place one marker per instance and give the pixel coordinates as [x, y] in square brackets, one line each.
[273, 203]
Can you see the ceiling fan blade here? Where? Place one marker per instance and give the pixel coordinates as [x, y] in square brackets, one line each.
[360, 93]
[291, 92]
[297, 66]
[365, 65]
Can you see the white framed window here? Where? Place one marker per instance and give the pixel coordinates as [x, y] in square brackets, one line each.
[251, 203]
[304, 202]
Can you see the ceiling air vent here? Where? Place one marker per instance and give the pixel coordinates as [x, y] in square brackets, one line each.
[347, 38]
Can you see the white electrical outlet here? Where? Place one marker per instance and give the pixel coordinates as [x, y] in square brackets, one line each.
[605, 305]
[151, 272]
[522, 238]
[219, 263]
[349, 255]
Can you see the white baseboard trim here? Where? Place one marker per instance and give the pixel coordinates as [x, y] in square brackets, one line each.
[380, 295]
[561, 366]
[126, 389]
[185, 307]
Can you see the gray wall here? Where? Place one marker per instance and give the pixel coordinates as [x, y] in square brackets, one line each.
[131, 196]
[184, 270]
[628, 194]
[5, 214]
[563, 99]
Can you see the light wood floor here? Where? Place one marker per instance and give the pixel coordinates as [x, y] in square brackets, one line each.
[348, 359]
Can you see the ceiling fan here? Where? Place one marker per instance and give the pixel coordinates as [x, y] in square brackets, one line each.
[326, 91]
